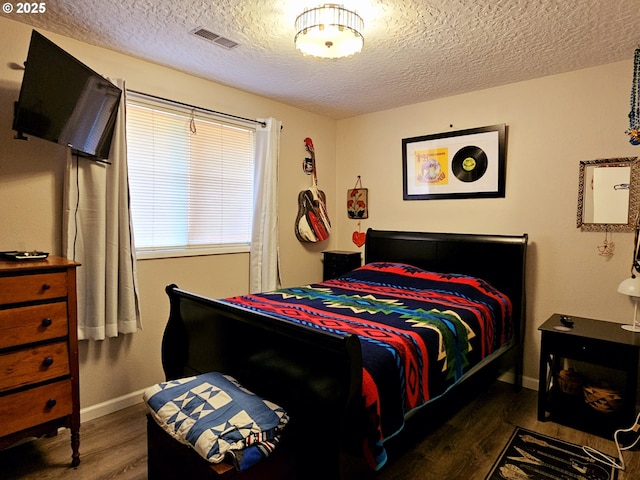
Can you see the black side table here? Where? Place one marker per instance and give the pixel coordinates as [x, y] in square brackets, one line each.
[597, 348]
[337, 262]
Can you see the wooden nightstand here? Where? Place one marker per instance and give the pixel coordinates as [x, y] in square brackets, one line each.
[595, 350]
[39, 390]
[338, 262]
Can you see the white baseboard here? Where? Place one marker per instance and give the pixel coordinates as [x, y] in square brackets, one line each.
[530, 383]
[527, 382]
[110, 406]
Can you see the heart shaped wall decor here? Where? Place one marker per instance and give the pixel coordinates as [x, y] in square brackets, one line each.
[359, 238]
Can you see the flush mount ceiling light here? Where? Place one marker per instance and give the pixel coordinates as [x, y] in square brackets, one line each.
[329, 31]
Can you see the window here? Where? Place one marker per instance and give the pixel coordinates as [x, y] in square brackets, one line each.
[191, 179]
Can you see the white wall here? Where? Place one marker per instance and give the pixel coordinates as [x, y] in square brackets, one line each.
[31, 176]
[552, 123]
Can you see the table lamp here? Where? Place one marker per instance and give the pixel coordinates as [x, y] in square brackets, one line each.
[631, 286]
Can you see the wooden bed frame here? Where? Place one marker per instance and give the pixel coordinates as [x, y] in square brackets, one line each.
[317, 376]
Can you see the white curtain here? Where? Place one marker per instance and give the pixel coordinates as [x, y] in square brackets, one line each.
[97, 232]
[264, 268]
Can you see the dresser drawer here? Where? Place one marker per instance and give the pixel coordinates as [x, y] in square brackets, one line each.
[32, 365]
[22, 325]
[33, 407]
[27, 288]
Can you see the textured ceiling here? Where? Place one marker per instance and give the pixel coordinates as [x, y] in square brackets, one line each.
[414, 50]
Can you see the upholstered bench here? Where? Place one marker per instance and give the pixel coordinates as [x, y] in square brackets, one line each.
[210, 427]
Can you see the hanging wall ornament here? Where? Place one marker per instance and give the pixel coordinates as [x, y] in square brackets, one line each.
[634, 113]
[358, 237]
[357, 201]
[607, 248]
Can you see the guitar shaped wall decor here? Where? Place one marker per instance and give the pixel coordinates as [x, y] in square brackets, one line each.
[312, 221]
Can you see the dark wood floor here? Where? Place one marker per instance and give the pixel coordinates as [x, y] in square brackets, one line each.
[462, 445]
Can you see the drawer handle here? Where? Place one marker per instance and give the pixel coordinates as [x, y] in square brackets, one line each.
[46, 322]
[47, 362]
[51, 403]
[46, 286]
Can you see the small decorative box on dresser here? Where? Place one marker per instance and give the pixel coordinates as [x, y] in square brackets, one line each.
[38, 351]
[338, 262]
[588, 375]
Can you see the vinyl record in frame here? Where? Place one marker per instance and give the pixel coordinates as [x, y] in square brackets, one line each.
[475, 158]
[469, 163]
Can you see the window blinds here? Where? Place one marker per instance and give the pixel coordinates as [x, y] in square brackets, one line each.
[191, 177]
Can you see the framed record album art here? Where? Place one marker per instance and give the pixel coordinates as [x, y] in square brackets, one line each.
[462, 164]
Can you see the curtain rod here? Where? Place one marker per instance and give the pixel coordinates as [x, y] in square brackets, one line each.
[200, 108]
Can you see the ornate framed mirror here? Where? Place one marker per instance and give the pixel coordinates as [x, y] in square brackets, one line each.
[608, 194]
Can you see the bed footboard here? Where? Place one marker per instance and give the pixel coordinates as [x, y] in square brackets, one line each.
[316, 376]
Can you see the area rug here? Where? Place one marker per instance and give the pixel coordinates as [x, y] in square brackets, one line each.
[531, 456]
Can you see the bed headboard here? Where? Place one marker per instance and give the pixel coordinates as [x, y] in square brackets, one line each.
[498, 259]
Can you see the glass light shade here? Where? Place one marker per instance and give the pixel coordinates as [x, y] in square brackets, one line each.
[630, 286]
[329, 31]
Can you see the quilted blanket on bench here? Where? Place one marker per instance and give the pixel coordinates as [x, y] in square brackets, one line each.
[219, 418]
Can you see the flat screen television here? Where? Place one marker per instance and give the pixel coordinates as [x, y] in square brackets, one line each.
[64, 101]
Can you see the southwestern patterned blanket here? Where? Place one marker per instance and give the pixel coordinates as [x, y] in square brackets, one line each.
[420, 332]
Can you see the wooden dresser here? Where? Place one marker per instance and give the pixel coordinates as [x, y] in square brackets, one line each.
[38, 351]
